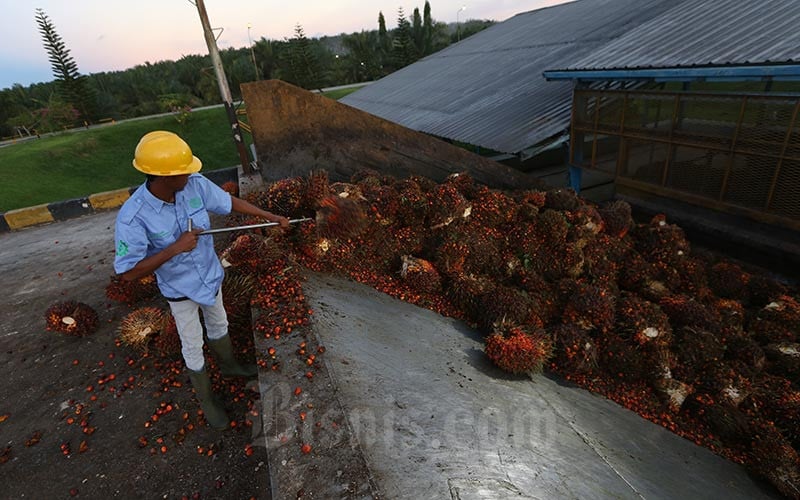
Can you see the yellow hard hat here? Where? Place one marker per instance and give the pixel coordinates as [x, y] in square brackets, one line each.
[164, 153]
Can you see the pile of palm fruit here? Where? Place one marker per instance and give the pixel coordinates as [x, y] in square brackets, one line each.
[685, 337]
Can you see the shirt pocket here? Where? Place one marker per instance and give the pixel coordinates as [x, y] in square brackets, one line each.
[200, 218]
[163, 235]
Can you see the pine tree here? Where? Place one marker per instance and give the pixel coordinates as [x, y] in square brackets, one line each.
[403, 50]
[427, 30]
[302, 63]
[73, 88]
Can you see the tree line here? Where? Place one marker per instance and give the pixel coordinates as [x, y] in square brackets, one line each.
[72, 99]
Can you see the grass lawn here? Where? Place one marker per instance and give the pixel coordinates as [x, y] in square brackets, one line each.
[80, 163]
[338, 94]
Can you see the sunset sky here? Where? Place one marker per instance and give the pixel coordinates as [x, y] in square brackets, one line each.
[113, 35]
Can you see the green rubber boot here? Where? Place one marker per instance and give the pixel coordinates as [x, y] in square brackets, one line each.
[213, 411]
[227, 362]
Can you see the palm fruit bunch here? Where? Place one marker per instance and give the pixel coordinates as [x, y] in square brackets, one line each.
[139, 326]
[231, 187]
[683, 310]
[584, 224]
[603, 259]
[529, 204]
[420, 275]
[492, 208]
[71, 318]
[517, 349]
[412, 202]
[562, 199]
[464, 183]
[465, 292]
[728, 280]
[249, 252]
[778, 321]
[763, 289]
[237, 290]
[446, 204]
[643, 322]
[340, 217]
[384, 204]
[774, 458]
[672, 391]
[286, 195]
[784, 360]
[132, 292]
[661, 242]
[617, 218]
[507, 304]
[591, 308]
[575, 351]
[317, 188]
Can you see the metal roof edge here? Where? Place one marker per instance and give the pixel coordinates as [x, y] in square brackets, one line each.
[780, 72]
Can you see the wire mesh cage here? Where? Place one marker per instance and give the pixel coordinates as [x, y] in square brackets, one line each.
[735, 152]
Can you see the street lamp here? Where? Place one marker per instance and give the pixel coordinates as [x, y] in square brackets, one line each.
[458, 24]
[252, 53]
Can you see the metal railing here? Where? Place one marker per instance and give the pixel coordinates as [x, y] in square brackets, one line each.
[738, 153]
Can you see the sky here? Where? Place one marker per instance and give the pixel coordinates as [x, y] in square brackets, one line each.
[111, 35]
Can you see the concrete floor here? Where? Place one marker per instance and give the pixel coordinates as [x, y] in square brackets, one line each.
[436, 419]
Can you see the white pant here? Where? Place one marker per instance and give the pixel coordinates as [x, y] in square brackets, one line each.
[187, 319]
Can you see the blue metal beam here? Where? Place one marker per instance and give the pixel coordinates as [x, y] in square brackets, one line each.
[784, 72]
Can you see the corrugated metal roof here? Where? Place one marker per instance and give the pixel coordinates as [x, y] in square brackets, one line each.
[706, 33]
[488, 90]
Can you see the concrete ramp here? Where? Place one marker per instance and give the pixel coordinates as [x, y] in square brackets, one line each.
[434, 419]
[296, 131]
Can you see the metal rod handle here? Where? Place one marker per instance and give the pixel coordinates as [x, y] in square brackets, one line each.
[251, 226]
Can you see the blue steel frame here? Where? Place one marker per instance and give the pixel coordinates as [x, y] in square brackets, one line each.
[783, 72]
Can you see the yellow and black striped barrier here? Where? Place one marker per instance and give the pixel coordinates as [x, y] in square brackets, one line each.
[69, 209]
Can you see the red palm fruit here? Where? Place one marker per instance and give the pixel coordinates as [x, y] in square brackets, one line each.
[562, 199]
[131, 292]
[71, 318]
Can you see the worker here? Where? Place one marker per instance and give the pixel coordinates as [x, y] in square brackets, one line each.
[158, 231]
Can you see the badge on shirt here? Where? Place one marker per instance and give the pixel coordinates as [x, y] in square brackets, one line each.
[122, 249]
[195, 202]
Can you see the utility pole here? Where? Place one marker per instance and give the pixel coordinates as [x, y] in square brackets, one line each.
[224, 90]
[252, 53]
